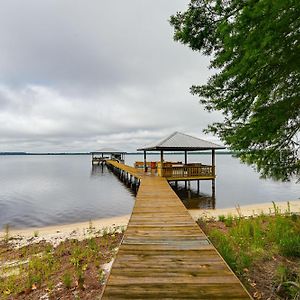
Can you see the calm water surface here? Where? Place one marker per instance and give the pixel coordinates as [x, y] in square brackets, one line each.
[49, 190]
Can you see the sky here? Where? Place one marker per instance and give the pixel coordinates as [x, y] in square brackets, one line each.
[79, 75]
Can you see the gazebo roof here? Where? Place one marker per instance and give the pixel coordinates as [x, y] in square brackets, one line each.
[178, 141]
[109, 151]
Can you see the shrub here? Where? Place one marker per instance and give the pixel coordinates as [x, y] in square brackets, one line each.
[222, 218]
[229, 221]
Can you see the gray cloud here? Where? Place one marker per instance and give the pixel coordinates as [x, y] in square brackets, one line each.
[79, 75]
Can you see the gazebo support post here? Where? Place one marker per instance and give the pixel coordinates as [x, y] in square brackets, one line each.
[145, 161]
[213, 182]
[213, 160]
[162, 162]
[185, 162]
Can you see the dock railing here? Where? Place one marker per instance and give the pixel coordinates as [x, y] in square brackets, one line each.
[187, 171]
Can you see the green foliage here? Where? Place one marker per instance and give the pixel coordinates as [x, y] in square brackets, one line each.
[6, 232]
[255, 45]
[289, 245]
[67, 280]
[40, 269]
[221, 218]
[252, 239]
[223, 244]
[41, 266]
[288, 283]
[228, 221]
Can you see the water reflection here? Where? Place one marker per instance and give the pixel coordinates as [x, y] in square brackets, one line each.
[98, 170]
[193, 199]
[102, 171]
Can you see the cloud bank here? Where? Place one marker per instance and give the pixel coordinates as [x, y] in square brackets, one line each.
[81, 75]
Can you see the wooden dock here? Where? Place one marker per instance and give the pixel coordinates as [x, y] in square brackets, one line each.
[164, 253]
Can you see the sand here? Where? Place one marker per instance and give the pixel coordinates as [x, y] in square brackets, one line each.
[56, 234]
[247, 210]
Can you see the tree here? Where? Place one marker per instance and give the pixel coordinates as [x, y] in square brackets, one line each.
[255, 47]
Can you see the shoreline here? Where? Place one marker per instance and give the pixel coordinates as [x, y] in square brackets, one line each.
[82, 230]
[247, 210]
[58, 233]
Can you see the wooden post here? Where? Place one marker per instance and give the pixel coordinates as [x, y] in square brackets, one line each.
[213, 202]
[145, 161]
[213, 160]
[185, 162]
[162, 162]
[198, 187]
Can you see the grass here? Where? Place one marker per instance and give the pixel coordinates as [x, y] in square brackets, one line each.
[6, 233]
[72, 267]
[266, 243]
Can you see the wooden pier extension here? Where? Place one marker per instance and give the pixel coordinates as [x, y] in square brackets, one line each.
[164, 253]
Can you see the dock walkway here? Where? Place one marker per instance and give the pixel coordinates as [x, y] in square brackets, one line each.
[164, 253]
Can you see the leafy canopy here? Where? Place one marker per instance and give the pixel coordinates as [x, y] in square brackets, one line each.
[255, 46]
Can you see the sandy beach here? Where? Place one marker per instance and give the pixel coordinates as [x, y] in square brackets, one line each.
[247, 210]
[56, 234]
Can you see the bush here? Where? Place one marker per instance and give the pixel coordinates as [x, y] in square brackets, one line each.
[222, 218]
[229, 221]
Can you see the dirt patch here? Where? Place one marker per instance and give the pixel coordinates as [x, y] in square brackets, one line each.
[72, 270]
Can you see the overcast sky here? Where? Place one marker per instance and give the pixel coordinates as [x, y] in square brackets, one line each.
[82, 75]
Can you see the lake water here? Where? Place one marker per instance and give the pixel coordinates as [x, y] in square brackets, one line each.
[48, 190]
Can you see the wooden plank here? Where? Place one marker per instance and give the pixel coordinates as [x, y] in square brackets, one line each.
[164, 253]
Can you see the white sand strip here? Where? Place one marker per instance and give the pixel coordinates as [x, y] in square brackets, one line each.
[57, 233]
[247, 210]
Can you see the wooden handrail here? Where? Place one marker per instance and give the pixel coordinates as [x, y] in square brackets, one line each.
[188, 171]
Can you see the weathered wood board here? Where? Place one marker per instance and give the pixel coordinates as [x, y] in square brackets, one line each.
[164, 253]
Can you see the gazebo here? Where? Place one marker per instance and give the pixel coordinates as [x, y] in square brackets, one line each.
[101, 155]
[177, 171]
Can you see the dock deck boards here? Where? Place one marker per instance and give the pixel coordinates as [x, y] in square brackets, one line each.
[164, 253]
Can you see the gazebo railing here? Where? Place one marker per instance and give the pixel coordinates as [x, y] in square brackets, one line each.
[187, 171]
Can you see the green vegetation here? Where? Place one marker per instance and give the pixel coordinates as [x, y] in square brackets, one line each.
[255, 247]
[6, 233]
[72, 267]
[254, 47]
[67, 280]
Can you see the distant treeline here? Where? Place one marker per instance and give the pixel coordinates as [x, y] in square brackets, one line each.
[45, 153]
[129, 153]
